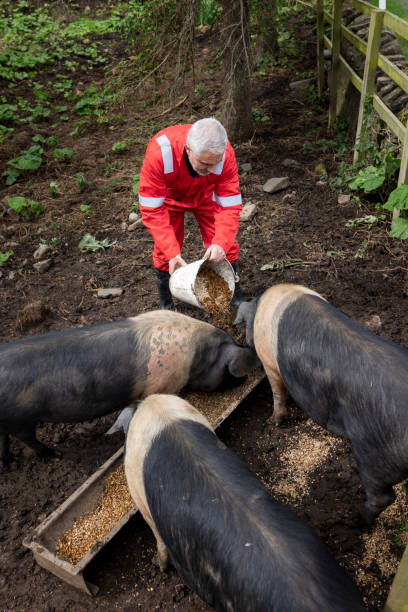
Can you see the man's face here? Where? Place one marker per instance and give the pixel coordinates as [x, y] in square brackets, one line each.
[205, 162]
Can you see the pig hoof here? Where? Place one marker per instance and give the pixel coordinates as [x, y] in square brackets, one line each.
[162, 565]
[271, 424]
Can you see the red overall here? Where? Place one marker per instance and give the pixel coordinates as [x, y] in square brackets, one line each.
[167, 190]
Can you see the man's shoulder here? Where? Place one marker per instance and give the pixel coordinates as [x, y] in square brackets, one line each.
[174, 133]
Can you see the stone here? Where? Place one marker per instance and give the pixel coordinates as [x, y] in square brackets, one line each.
[133, 217]
[391, 47]
[290, 163]
[276, 184]
[248, 212]
[111, 292]
[246, 167]
[300, 86]
[343, 198]
[41, 251]
[392, 96]
[42, 266]
[386, 89]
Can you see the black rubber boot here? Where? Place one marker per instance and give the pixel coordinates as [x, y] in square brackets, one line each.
[237, 297]
[166, 301]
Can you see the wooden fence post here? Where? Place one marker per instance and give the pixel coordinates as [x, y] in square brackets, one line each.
[335, 67]
[320, 47]
[370, 67]
[398, 596]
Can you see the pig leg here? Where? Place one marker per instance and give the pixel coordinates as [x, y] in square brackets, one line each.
[379, 492]
[162, 557]
[377, 499]
[26, 433]
[280, 396]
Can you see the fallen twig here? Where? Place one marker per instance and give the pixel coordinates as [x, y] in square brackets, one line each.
[179, 103]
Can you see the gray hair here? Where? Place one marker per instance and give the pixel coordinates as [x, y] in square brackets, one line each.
[207, 135]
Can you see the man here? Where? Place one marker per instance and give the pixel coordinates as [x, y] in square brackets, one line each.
[190, 168]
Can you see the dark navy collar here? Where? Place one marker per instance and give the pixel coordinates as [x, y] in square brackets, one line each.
[190, 168]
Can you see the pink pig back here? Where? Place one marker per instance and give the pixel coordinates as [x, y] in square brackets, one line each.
[173, 344]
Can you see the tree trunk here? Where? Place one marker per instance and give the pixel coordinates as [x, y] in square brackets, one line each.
[237, 99]
[264, 28]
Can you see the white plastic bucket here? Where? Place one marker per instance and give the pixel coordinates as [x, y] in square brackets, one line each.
[182, 281]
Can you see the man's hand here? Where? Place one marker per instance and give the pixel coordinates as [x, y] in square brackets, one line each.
[176, 262]
[215, 253]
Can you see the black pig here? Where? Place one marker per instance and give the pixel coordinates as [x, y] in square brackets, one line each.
[79, 374]
[231, 542]
[346, 378]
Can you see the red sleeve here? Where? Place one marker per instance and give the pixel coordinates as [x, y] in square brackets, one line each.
[152, 191]
[228, 202]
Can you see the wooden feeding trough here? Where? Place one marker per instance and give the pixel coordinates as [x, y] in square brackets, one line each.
[216, 407]
[398, 596]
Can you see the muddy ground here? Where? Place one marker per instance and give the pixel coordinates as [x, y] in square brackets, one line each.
[360, 269]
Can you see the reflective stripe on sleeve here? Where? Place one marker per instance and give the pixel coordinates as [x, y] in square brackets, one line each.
[218, 168]
[229, 200]
[150, 202]
[167, 153]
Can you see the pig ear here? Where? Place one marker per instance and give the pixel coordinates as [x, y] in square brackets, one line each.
[123, 421]
[246, 314]
[241, 360]
[242, 313]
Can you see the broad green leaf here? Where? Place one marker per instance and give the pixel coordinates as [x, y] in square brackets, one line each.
[5, 256]
[89, 244]
[28, 160]
[398, 198]
[399, 228]
[86, 208]
[24, 206]
[11, 175]
[392, 164]
[63, 154]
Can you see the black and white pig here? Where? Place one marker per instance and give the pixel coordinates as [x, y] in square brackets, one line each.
[230, 541]
[86, 372]
[346, 378]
